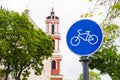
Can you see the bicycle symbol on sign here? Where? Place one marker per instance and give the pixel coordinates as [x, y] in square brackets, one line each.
[90, 38]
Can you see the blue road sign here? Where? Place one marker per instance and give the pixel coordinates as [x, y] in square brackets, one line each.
[84, 37]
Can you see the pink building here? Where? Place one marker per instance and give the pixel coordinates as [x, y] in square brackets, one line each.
[52, 28]
[52, 65]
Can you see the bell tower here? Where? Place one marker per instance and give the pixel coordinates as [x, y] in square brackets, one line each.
[52, 28]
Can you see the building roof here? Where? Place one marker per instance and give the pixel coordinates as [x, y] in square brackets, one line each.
[52, 15]
[31, 20]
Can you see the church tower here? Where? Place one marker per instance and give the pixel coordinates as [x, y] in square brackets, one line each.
[52, 65]
[52, 28]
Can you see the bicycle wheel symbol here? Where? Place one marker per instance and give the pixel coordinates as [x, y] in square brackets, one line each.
[93, 39]
[75, 41]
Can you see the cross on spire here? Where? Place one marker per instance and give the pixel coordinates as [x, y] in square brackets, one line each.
[53, 3]
[52, 9]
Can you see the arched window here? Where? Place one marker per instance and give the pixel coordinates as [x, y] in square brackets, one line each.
[52, 17]
[53, 29]
[53, 64]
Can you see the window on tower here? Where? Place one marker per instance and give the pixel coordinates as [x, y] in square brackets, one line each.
[52, 17]
[53, 64]
[53, 29]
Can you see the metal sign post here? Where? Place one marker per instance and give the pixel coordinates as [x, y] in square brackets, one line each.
[85, 62]
[84, 38]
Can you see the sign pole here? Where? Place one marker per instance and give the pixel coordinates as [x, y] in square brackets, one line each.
[85, 61]
[84, 38]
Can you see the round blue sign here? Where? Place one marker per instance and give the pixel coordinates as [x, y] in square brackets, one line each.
[84, 37]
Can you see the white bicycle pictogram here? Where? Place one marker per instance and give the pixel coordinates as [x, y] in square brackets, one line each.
[90, 38]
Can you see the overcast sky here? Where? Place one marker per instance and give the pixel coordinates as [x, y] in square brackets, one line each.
[68, 11]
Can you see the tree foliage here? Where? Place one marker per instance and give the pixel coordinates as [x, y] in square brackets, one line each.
[92, 76]
[112, 10]
[22, 46]
[107, 58]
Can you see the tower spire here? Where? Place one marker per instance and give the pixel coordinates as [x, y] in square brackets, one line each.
[52, 12]
[52, 9]
[52, 28]
[27, 10]
[1, 6]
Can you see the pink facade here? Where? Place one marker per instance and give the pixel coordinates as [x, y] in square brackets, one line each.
[52, 28]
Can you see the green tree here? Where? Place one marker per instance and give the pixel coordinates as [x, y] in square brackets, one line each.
[112, 10]
[92, 76]
[1, 74]
[22, 46]
[107, 58]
